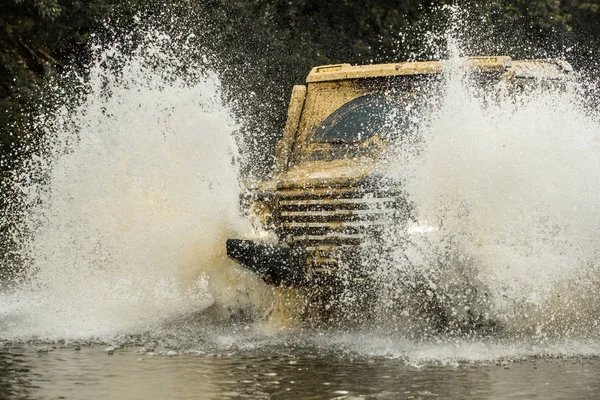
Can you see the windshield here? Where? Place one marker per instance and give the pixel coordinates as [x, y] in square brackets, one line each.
[357, 120]
[365, 126]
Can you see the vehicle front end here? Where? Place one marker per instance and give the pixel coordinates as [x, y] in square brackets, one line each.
[332, 204]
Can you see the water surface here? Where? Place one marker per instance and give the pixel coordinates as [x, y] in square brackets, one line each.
[55, 372]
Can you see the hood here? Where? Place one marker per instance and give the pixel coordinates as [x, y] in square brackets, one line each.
[327, 173]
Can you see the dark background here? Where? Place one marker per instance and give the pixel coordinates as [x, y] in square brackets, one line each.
[265, 46]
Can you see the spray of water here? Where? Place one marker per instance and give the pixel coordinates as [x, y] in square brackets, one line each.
[124, 212]
[504, 180]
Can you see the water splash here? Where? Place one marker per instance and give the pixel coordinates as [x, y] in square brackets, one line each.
[124, 212]
[507, 176]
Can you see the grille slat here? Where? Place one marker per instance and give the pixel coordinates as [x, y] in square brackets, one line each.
[333, 225]
[336, 213]
[330, 238]
[332, 216]
[317, 202]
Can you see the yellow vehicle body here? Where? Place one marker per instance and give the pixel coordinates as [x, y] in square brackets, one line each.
[327, 197]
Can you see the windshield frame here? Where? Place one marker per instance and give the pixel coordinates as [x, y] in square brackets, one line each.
[325, 98]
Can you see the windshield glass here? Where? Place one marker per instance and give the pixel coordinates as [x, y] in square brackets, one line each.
[357, 120]
[365, 126]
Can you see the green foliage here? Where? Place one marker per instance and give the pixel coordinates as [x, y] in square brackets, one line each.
[46, 8]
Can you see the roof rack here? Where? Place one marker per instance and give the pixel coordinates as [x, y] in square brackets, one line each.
[550, 69]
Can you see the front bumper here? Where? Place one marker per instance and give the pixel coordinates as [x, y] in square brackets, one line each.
[275, 264]
[280, 265]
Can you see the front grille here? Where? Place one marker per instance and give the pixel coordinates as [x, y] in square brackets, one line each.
[327, 220]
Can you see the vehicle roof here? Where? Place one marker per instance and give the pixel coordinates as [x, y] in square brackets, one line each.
[544, 69]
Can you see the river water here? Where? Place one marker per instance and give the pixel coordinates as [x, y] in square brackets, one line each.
[288, 372]
[118, 286]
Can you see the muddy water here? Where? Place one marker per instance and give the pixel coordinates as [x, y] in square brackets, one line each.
[56, 372]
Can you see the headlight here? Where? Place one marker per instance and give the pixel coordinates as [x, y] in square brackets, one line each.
[261, 214]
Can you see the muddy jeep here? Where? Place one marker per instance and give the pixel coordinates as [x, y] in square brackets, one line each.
[330, 202]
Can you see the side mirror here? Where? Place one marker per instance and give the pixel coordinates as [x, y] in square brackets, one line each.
[283, 148]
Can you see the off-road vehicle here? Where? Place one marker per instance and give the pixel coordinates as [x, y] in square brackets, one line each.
[329, 196]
